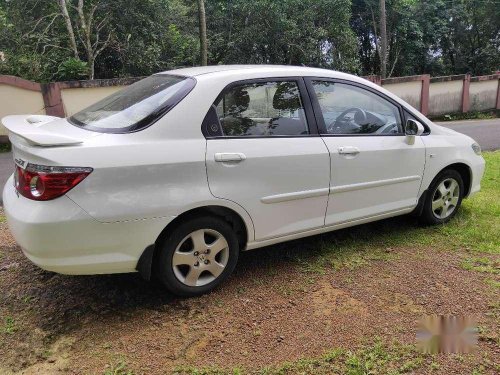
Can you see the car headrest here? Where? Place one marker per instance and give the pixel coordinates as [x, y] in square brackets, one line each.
[287, 96]
[237, 101]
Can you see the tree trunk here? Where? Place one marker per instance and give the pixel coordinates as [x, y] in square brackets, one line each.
[383, 40]
[91, 69]
[69, 27]
[203, 33]
[88, 43]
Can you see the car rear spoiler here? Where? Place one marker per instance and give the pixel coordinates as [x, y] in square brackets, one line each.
[33, 129]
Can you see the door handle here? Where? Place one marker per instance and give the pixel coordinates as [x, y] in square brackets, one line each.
[348, 150]
[225, 157]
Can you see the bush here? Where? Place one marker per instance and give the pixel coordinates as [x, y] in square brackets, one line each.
[27, 65]
[72, 69]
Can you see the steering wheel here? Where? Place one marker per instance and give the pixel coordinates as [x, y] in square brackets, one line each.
[347, 124]
[390, 128]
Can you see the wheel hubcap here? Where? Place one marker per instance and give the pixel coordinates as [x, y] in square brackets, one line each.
[200, 257]
[445, 198]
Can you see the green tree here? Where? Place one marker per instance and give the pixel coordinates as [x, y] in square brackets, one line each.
[115, 38]
[44, 40]
[471, 40]
[430, 36]
[309, 32]
[31, 39]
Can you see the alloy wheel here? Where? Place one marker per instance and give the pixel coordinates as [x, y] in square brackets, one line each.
[200, 257]
[445, 198]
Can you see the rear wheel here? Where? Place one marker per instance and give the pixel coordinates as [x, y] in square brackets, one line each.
[444, 198]
[197, 256]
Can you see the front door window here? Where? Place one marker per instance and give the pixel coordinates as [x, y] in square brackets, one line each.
[351, 110]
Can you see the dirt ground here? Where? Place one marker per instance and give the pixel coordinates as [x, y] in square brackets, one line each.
[274, 309]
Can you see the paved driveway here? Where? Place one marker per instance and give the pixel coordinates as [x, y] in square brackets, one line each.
[485, 132]
[6, 169]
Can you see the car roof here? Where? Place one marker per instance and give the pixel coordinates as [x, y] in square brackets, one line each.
[287, 70]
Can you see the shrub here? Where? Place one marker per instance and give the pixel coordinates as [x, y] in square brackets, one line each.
[72, 69]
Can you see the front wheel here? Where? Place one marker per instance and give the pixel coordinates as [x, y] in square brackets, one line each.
[444, 198]
[197, 256]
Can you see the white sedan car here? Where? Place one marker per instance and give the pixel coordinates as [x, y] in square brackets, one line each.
[176, 174]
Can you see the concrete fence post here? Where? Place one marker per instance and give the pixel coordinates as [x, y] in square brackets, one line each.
[498, 90]
[424, 94]
[375, 79]
[52, 99]
[466, 94]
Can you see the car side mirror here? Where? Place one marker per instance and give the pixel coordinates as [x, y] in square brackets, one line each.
[413, 128]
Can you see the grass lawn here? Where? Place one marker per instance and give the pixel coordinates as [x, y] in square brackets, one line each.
[468, 116]
[475, 228]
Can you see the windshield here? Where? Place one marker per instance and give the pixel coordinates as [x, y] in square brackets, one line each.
[135, 107]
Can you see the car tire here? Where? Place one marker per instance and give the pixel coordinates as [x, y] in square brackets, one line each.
[443, 199]
[197, 256]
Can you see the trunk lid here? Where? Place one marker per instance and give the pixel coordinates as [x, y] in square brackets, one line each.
[44, 131]
[46, 140]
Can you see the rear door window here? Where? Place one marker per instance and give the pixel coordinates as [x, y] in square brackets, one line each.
[272, 108]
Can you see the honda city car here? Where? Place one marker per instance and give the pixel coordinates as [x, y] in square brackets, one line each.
[176, 174]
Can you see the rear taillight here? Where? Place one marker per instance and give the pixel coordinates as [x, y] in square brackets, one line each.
[43, 183]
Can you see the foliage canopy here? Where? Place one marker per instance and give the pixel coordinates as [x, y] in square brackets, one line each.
[136, 38]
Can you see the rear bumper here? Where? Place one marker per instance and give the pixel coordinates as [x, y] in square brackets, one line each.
[59, 236]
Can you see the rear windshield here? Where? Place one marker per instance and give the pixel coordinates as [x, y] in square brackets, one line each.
[135, 107]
